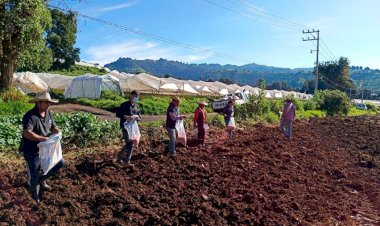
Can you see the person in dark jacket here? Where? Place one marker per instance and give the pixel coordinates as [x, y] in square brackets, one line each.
[229, 112]
[200, 121]
[38, 124]
[128, 112]
[172, 116]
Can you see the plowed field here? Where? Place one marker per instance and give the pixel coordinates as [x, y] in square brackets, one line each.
[328, 174]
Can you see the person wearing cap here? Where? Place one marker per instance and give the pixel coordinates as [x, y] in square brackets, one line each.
[287, 118]
[128, 112]
[38, 124]
[228, 112]
[200, 121]
[172, 116]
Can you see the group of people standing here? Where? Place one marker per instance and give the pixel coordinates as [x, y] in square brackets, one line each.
[39, 124]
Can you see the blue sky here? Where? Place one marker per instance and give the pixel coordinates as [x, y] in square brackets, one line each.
[349, 28]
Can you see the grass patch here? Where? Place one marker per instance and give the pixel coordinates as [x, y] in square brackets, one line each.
[149, 104]
[311, 114]
[357, 112]
[77, 70]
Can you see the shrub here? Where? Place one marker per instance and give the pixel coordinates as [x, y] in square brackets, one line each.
[255, 107]
[13, 102]
[309, 105]
[334, 102]
[14, 95]
[217, 121]
[276, 106]
[271, 117]
[14, 108]
[371, 106]
[111, 95]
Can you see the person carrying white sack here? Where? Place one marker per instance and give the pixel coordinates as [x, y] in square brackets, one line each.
[38, 124]
[287, 118]
[172, 118]
[229, 114]
[128, 112]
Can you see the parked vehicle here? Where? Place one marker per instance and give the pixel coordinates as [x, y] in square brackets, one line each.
[239, 98]
[361, 106]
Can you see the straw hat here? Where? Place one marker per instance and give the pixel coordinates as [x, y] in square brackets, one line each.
[203, 103]
[45, 96]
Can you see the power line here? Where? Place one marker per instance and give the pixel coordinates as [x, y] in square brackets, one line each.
[251, 9]
[160, 38]
[328, 49]
[255, 8]
[243, 13]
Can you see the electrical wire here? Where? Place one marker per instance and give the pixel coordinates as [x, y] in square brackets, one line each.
[160, 38]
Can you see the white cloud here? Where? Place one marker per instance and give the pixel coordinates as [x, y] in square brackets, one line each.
[116, 7]
[137, 49]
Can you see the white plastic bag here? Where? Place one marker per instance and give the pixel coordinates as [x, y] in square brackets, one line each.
[50, 152]
[133, 131]
[206, 127]
[181, 132]
[231, 124]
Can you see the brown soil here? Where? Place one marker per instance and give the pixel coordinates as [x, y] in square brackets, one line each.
[329, 174]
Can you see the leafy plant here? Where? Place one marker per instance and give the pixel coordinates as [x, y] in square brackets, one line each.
[334, 102]
[217, 121]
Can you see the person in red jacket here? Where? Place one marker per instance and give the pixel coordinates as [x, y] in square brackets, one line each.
[200, 121]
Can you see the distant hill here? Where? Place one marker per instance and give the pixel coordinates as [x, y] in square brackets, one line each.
[245, 74]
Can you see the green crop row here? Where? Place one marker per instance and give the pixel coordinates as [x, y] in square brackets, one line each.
[79, 129]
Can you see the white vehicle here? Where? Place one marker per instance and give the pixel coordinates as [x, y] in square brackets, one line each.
[361, 106]
[239, 98]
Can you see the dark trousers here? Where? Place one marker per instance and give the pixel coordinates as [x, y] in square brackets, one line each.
[126, 151]
[34, 166]
[201, 133]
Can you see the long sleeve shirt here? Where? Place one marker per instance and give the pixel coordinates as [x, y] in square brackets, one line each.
[127, 108]
[172, 116]
[289, 111]
[200, 116]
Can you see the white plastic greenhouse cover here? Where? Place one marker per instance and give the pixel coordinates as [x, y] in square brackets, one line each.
[29, 82]
[123, 77]
[169, 86]
[143, 82]
[56, 81]
[223, 92]
[188, 89]
[91, 86]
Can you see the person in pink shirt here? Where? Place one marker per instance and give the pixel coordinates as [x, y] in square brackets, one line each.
[287, 118]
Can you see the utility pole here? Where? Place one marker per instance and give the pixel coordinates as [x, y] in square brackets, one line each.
[317, 50]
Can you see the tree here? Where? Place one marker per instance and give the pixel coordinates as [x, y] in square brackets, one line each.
[333, 75]
[37, 58]
[61, 39]
[226, 81]
[22, 24]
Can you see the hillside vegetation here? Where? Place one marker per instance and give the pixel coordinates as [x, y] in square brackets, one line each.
[245, 74]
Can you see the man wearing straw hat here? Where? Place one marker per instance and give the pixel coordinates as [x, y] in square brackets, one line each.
[38, 124]
[200, 121]
[172, 116]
